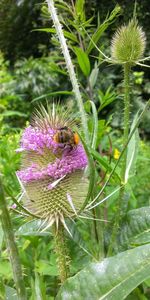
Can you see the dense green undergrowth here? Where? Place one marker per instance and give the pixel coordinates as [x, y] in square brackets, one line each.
[100, 267]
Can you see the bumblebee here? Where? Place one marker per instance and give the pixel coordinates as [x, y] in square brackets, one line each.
[66, 136]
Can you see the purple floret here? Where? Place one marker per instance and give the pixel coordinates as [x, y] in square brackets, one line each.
[71, 159]
[36, 140]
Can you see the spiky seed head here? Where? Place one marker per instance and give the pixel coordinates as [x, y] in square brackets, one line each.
[52, 175]
[128, 44]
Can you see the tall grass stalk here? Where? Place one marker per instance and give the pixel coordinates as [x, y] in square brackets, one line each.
[12, 248]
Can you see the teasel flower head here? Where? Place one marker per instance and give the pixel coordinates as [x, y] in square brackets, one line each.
[52, 175]
[128, 44]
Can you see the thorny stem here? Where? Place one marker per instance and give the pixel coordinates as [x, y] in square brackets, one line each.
[126, 116]
[121, 197]
[61, 250]
[70, 67]
[12, 248]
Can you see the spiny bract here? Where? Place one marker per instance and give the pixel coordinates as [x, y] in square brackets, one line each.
[52, 175]
[128, 43]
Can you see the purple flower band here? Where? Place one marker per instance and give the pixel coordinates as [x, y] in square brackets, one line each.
[34, 139]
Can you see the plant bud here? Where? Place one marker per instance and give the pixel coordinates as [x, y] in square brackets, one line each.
[128, 44]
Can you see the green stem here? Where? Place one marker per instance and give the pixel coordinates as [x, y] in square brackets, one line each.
[124, 157]
[61, 250]
[12, 248]
[126, 117]
[69, 65]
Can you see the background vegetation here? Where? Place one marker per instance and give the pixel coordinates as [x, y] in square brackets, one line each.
[33, 71]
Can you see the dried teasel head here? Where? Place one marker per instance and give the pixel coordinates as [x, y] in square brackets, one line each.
[128, 44]
[52, 175]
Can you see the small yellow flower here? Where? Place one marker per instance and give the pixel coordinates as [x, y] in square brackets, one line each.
[116, 153]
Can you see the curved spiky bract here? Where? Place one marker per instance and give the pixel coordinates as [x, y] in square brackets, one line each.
[53, 117]
[44, 198]
[128, 44]
[52, 175]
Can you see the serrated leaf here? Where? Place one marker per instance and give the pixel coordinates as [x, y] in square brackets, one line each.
[83, 61]
[113, 278]
[136, 230]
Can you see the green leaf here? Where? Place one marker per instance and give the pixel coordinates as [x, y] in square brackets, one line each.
[31, 229]
[93, 76]
[11, 113]
[55, 68]
[77, 237]
[83, 60]
[2, 290]
[80, 11]
[52, 94]
[95, 37]
[38, 292]
[45, 268]
[65, 7]
[97, 34]
[136, 230]
[38, 288]
[103, 162]
[91, 169]
[67, 34]
[106, 98]
[111, 279]
[5, 270]
[11, 293]
[95, 125]
[132, 150]
[79, 6]
[1, 236]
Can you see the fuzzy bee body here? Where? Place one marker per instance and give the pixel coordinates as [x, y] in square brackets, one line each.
[66, 136]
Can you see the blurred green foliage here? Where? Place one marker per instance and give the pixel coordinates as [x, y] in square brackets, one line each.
[33, 70]
[17, 20]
